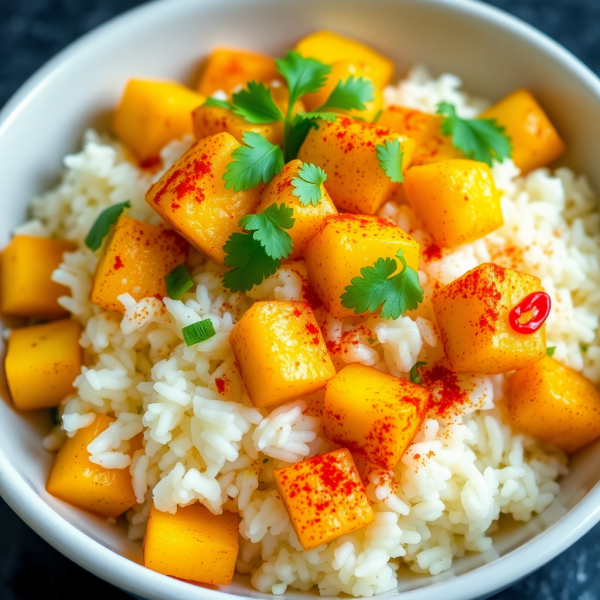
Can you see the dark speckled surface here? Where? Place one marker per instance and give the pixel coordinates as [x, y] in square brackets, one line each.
[32, 31]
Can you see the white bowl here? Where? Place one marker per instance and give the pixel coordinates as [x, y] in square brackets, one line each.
[492, 52]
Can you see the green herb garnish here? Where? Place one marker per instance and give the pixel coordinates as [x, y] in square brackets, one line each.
[269, 227]
[255, 104]
[307, 186]
[551, 350]
[198, 332]
[265, 461]
[414, 374]
[350, 94]
[179, 281]
[56, 418]
[390, 159]
[584, 347]
[371, 340]
[106, 219]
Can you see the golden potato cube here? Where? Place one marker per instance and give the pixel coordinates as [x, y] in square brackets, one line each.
[347, 151]
[153, 113]
[135, 261]
[42, 363]
[226, 69]
[534, 139]
[425, 129]
[456, 200]
[82, 483]
[346, 244]
[473, 317]
[280, 352]
[373, 414]
[555, 404]
[192, 544]
[324, 497]
[309, 219]
[329, 47]
[26, 287]
[192, 197]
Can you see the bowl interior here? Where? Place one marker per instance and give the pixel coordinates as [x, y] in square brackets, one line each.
[492, 55]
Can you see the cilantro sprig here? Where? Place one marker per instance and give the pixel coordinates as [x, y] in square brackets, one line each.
[308, 186]
[480, 139]
[378, 287]
[390, 157]
[414, 373]
[350, 94]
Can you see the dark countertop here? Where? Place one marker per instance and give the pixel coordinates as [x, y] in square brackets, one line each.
[32, 31]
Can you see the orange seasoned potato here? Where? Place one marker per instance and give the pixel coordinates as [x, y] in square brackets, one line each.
[153, 113]
[472, 314]
[135, 261]
[225, 69]
[26, 287]
[42, 363]
[346, 244]
[309, 219]
[347, 151]
[330, 47]
[373, 414]
[430, 144]
[534, 139]
[456, 200]
[555, 404]
[192, 196]
[324, 497]
[280, 352]
[80, 482]
[192, 544]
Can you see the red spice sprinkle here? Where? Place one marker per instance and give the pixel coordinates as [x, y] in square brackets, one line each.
[118, 263]
[432, 253]
[449, 393]
[150, 163]
[221, 385]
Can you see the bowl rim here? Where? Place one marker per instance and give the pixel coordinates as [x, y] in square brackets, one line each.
[136, 579]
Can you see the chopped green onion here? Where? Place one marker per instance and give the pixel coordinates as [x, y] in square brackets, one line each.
[179, 281]
[106, 219]
[551, 350]
[414, 374]
[371, 340]
[198, 332]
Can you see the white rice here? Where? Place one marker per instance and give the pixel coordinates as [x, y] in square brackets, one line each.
[205, 442]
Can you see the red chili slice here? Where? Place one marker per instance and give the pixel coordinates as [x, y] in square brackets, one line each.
[539, 303]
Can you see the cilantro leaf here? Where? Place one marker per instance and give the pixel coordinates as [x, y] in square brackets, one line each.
[258, 161]
[307, 186]
[350, 94]
[377, 115]
[390, 159]
[480, 139]
[105, 220]
[375, 288]
[414, 374]
[255, 104]
[218, 103]
[198, 332]
[298, 131]
[318, 114]
[303, 75]
[268, 227]
[179, 281]
[551, 350]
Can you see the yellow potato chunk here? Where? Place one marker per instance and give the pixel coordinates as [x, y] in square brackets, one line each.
[309, 219]
[342, 71]
[346, 244]
[329, 47]
[347, 151]
[280, 352]
[373, 414]
[430, 145]
[226, 69]
[534, 139]
[456, 200]
[555, 404]
[153, 113]
[192, 544]
[82, 483]
[135, 261]
[473, 317]
[42, 363]
[192, 196]
[26, 287]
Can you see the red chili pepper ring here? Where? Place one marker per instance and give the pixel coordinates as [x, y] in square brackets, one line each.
[539, 303]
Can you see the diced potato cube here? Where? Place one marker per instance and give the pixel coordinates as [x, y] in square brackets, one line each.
[329, 47]
[347, 151]
[534, 139]
[82, 483]
[280, 352]
[42, 363]
[26, 287]
[192, 196]
[473, 317]
[373, 414]
[346, 244]
[192, 544]
[324, 497]
[135, 261]
[309, 219]
[456, 200]
[225, 69]
[342, 71]
[153, 113]
[425, 129]
[555, 404]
